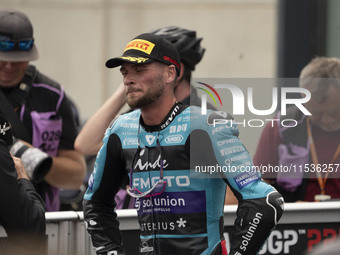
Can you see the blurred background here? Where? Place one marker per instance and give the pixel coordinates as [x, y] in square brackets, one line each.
[243, 39]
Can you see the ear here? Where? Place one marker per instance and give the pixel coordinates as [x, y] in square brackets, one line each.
[181, 72]
[170, 75]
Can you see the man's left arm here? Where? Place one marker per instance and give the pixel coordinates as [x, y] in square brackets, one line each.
[260, 206]
[67, 171]
[256, 218]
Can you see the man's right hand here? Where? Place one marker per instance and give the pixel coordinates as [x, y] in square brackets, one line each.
[37, 163]
[19, 166]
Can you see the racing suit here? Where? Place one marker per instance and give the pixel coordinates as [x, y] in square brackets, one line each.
[187, 218]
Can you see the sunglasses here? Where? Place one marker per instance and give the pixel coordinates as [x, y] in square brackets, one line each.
[157, 189]
[6, 44]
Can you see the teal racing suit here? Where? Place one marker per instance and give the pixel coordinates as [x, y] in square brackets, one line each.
[199, 158]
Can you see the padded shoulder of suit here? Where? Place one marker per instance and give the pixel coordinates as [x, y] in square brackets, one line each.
[212, 122]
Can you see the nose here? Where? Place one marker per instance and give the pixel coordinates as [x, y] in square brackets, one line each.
[128, 79]
[326, 119]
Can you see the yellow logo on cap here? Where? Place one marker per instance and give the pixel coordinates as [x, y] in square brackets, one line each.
[141, 45]
[135, 59]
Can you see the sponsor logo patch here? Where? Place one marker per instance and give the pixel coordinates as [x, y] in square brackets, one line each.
[90, 182]
[139, 60]
[150, 139]
[174, 139]
[130, 141]
[246, 178]
[146, 248]
[141, 45]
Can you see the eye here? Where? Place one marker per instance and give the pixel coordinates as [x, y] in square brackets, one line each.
[140, 69]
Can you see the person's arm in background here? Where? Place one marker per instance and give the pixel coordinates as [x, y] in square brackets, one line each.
[89, 140]
[22, 211]
[67, 171]
[266, 153]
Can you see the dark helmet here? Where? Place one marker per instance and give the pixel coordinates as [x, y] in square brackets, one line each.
[186, 42]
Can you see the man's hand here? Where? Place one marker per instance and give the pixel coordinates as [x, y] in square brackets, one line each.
[37, 163]
[19, 166]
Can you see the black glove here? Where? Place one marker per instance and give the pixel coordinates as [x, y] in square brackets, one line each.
[256, 218]
[37, 163]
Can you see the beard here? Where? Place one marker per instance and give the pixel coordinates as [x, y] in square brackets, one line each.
[153, 92]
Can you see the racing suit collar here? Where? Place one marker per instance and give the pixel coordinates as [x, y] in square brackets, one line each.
[177, 108]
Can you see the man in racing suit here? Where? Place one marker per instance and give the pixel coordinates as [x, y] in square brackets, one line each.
[165, 148]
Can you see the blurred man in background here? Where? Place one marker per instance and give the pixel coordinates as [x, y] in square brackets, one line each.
[38, 110]
[313, 145]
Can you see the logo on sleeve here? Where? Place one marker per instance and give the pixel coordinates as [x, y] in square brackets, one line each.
[246, 178]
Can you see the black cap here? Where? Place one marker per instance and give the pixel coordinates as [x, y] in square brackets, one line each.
[147, 48]
[16, 26]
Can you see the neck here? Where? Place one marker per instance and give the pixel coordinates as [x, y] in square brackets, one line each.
[182, 90]
[154, 113]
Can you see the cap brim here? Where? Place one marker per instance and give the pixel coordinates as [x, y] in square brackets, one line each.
[19, 56]
[114, 62]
